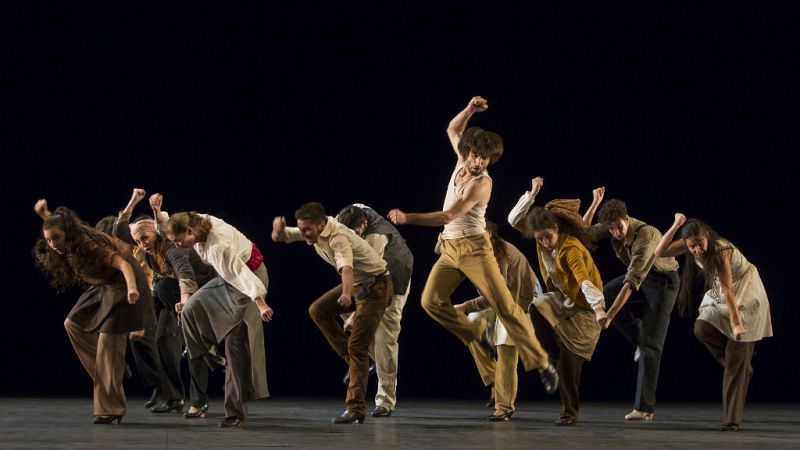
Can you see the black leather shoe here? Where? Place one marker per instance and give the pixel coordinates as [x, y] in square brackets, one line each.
[200, 412]
[232, 422]
[380, 411]
[108, 420]
[566, 422]
[168, 406]
[729, 427]
[371, 372]
[549, 379]
[349, 417]
[505, 417]
[153, 399]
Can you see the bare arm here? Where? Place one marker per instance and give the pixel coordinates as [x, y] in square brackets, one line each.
[667, 247]
[597, 198]
[477, 193]
[726, 282]
[130, 277]
[458, 124]
[136, 196]
[346, 298]
[619, 302]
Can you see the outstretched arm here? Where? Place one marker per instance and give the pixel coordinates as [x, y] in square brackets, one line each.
[130, 277]
[478, 192]
[136, 196]
[517, 215]
[597, 198]
[726, 283]
[458, 124]
[667, 247]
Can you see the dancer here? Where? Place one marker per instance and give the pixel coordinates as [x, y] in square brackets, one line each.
[387, 242]
[734, 313]
[524, 287]
[229, 307]
[177, 274]
[634, 243]
[466, 250]
[117, 300]
[366, 288]
[565, 318]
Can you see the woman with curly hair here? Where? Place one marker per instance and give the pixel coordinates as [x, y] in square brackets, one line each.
[565, 317]
[734, 313]
[116, 301]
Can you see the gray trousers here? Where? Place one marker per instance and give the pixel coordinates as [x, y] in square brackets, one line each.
[658, 293]
[735, 357]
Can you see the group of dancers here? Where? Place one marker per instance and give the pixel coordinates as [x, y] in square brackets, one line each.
[161, 283]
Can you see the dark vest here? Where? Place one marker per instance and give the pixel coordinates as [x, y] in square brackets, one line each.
[396, 254]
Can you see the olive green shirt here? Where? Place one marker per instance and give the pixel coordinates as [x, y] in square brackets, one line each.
[638, 251]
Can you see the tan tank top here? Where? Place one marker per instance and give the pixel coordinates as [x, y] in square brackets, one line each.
[471, 223]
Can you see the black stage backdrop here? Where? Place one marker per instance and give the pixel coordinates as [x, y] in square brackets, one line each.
[247, 111]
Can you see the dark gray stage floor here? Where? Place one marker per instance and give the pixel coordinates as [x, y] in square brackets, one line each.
[53, 423]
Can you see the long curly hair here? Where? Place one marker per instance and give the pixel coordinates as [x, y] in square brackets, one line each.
[63, 268]
[541, 218]
[691, 273]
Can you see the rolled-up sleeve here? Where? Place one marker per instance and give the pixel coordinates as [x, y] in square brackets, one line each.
[517, 215]
[292, 234]
[643, 255]
[342, 251]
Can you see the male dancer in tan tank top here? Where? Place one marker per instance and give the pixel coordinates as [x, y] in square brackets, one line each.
[466, 252]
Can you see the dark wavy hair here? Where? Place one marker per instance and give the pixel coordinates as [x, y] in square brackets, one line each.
[62, 269]
[691, 274]
[540, 218]
[487, 144]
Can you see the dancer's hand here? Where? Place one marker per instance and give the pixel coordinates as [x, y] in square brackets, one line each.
[40, 208]
[536, 185]
[738, 331]
[266, 311]
[133, 295]
[156, 200]
[598, 194]
[478, 104]
[680, 219]
[602, 317]
[279, 229]
[345, 300]
[461, 307]
[397, 217]
[137, 195]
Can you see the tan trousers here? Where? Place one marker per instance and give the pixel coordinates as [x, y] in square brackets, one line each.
[505, 378]
[385, 351]
[103, 357]
[473, 258]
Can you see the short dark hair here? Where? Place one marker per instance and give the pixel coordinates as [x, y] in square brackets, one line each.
[612, 211]
[312, 211]
[481, 142]
[351, 216]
